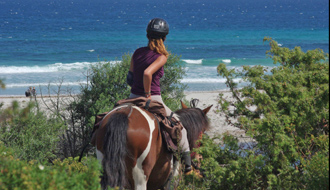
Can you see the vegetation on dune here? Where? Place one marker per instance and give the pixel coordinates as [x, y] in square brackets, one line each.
[286, 113]
[30, 134]
[66, 174]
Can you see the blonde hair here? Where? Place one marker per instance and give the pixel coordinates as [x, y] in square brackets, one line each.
[157, 45]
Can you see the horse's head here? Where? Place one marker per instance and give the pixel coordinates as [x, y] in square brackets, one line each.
[193, 104]
[194, 120]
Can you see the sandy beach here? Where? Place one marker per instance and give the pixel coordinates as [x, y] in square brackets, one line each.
[218, 123]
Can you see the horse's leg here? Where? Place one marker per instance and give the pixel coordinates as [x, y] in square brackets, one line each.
[139, 177]
[142, 171]
[161, 171]
[140, 181]
[170, 183]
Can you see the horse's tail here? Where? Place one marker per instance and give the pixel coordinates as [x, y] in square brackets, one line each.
[115, 152]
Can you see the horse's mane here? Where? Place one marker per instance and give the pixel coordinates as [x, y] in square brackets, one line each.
[194, 120]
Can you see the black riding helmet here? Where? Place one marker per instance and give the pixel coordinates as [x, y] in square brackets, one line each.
[157, 28]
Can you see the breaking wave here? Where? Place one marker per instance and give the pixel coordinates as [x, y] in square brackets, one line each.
[193, 61]
[56, 67]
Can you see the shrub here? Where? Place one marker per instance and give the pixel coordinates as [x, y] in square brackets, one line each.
[286, 113]
[69, 174]
[105, 86]
[29, 133]
[290, 123]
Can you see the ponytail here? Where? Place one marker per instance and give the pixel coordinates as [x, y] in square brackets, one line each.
[157, 45]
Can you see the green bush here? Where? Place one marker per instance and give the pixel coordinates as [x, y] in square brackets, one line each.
[30, 133]
[286, 113]
[226, 166]
[106, 85]
[317, 172]
[69, 174]
[290, 123]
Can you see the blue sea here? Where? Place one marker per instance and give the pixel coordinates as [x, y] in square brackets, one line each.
[44, 42]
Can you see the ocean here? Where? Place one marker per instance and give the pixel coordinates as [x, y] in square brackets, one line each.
[43, 42]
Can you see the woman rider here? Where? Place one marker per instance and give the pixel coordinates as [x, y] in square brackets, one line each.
[146, 69]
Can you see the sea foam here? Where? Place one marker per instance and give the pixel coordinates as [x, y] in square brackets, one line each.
[207, 80]
[44, 84]
[57, 67]
[226, 60]
[193, 61]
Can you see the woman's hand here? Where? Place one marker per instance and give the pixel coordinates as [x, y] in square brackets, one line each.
[147, 95]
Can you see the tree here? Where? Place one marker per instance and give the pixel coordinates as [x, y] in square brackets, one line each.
[290, 124]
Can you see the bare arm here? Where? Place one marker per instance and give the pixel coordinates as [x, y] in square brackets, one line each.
[155, 66]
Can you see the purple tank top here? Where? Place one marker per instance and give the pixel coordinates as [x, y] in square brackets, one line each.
[142, 58]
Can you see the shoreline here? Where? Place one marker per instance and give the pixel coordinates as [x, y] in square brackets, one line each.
[63, 95]
[218, 125]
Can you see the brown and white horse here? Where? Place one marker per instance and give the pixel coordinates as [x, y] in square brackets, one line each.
[130, 145]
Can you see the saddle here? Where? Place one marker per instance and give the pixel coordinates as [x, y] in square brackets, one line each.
[170, 127]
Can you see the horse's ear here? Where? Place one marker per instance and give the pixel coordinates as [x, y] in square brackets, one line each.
[183, 105]
[207, 109]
